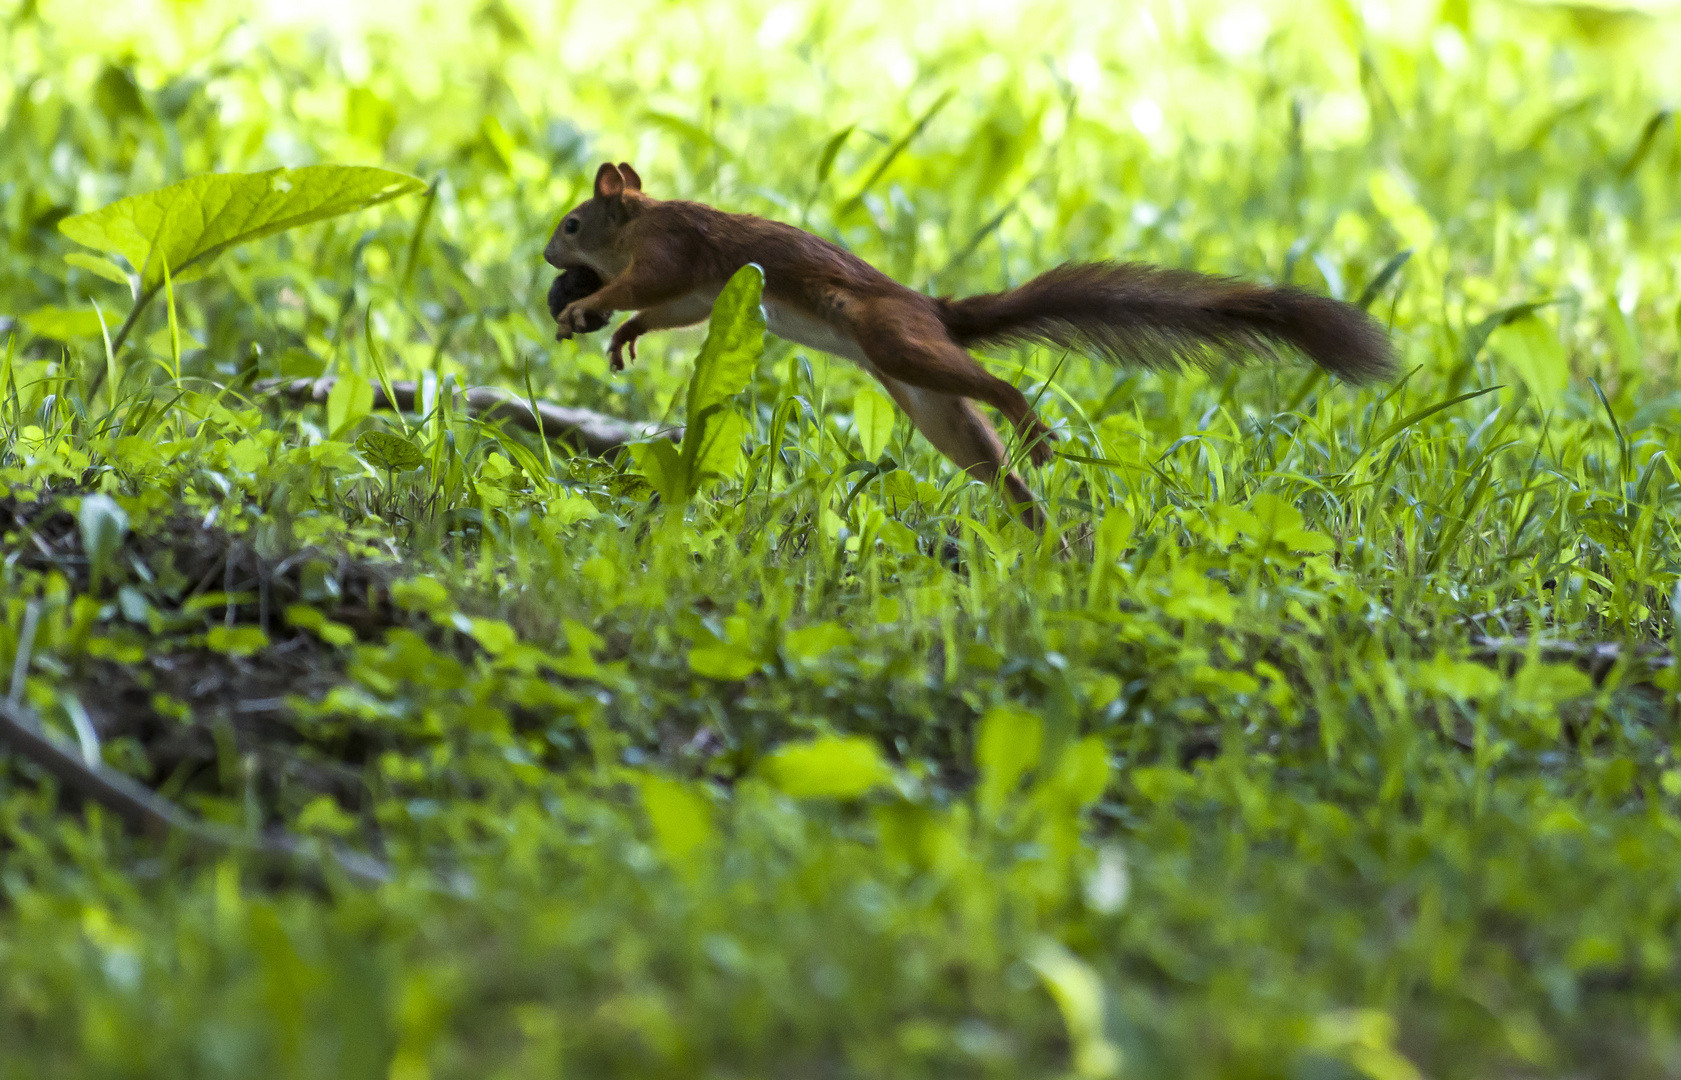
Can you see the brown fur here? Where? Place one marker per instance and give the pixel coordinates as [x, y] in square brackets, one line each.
[667, 260]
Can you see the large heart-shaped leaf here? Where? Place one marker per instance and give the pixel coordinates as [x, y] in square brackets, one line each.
[186, 225]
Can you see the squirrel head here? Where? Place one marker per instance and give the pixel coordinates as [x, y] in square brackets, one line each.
[588, 234]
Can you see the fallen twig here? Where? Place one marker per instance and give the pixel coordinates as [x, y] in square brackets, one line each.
[1597, 656]
[591, 431]
[145, 811]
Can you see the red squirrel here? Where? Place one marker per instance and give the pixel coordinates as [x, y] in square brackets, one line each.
[668, 260]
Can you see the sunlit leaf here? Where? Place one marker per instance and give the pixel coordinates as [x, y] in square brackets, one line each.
[350, 400]
[723, 661]
[1078, 994]
[61, 323]
[93, 264]
[187, 224]
[874, 415]
[814, 642]
[681, 817]
[1007, 745]
[236, 640]
[831, 767]
[719, 444]
[735, 339]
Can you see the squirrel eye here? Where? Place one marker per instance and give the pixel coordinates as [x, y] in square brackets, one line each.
[572, 225]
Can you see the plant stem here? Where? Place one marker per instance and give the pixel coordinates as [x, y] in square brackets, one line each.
[122, 336]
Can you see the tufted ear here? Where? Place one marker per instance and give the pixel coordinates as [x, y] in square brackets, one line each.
[632, 181]
[608, 183]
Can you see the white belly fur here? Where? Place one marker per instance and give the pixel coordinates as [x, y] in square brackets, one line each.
[799, 327]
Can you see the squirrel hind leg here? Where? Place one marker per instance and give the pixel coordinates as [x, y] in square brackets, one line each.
[958, 430]
[918, 353]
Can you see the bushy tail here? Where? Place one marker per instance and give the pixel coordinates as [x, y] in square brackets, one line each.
[1136, 314]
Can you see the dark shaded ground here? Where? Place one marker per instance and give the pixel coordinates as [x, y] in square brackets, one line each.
[185, 718]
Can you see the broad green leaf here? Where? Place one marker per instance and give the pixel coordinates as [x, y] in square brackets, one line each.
[723, 661]
[93, 264]
[1533, 350]
[1479, 334]
[236, 640]
[1280, 522]
[323, 814]
[1365, 1038]
[1193, 597]
[735, 339]
[712, 438]
[351, 399]
[494, 635]
[1458, 680]
[305, 617]
[830, 767]
[1082, 773]
[873, 414]
[1007, 744]
[719, 448]
[384, 450]
[298, 363]
[664, 467]
[569, 509]
[62, 323]
[369, 117]
[423, 594]
[1544, 687]
[681, 817]
[103, 525]
[814, 642]
[1078, 994]
[186, 225]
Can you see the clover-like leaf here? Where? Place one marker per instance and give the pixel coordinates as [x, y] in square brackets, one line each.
[393, 453]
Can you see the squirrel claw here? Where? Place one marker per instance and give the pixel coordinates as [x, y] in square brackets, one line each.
[616, 352]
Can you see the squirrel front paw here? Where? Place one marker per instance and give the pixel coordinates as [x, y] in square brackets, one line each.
[573, 285]
[578, 319]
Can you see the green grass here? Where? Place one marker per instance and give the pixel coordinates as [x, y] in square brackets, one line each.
[1342, 744]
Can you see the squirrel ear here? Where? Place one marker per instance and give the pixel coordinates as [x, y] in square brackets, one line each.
[632, 181]
[608, 183]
